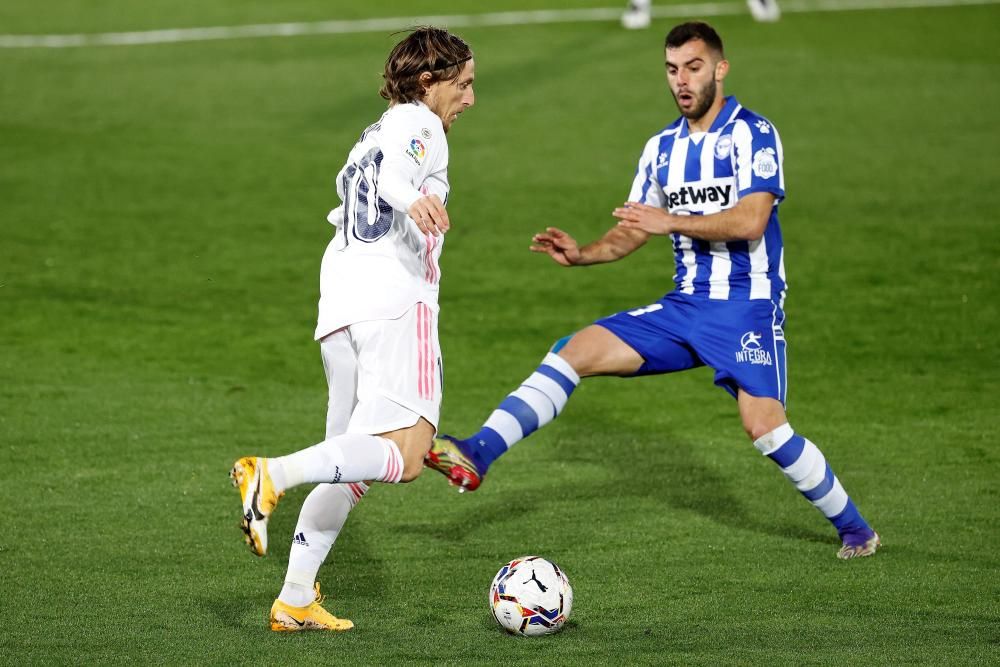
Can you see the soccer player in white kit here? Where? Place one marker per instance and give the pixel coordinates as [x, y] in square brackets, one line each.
[377, 323]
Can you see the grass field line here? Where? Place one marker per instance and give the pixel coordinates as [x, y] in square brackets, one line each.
[166, 36]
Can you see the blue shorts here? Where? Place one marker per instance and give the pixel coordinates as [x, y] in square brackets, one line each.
[742, 340]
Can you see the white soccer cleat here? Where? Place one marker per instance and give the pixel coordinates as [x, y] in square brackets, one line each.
[764, 11]
[637, 15]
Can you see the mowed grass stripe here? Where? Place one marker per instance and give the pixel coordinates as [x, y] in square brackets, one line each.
[298, 29]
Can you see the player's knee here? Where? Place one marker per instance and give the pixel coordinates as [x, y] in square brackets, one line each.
[760, 415]
[577, 351]
[560, 344]
[760, 426]
[754, 431]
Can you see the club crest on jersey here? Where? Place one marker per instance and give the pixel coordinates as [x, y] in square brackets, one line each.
[765, 165]
[723, 147]
[416, 150]
[751, 352]
[690, 195]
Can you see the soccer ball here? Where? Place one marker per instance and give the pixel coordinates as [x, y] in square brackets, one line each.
[531, 596]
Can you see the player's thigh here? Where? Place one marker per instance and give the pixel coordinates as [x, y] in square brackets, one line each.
[643, 341]
[340, 364]
[744, 343]
[596, 351]
[399, 373]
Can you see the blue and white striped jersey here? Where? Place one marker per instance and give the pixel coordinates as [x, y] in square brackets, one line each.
[708, 172]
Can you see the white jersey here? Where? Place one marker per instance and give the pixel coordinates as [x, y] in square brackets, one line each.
[379, 264]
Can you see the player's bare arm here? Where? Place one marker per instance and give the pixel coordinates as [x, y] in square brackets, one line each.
[618, 242]
[744, 222]
[430, 215]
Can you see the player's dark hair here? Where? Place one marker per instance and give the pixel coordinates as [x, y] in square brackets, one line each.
[426, 49]
[685, 32]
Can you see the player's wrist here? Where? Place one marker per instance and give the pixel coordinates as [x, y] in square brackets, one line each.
[587, 256]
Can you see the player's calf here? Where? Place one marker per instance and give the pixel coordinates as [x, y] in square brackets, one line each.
[806, 468]
[413, 443]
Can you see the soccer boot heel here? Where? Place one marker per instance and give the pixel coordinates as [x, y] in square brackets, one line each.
[250, 476]
[448, 458]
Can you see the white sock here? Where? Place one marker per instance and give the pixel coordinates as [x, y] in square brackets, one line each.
[320, 521]
[351, 457]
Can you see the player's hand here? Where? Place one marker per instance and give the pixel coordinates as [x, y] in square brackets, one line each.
[558, 245]
[429, 214]
[650, 219]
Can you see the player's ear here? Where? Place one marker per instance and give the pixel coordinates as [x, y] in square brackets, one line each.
[721, 69]
[425, 81]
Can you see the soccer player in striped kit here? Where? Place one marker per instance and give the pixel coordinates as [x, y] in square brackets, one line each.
[712, 180]
[377, 323]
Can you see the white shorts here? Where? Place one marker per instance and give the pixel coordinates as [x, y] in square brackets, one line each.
[384, 375]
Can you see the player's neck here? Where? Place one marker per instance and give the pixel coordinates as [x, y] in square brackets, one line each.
[704, 124]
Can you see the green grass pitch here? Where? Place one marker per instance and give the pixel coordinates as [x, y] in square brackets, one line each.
[161, 225]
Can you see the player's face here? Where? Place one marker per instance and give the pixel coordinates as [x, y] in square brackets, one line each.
[448, 99]
[694, 73]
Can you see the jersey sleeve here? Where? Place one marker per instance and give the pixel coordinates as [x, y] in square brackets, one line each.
[758, 158]
[403, 155]
[436, 182]
[645, 187]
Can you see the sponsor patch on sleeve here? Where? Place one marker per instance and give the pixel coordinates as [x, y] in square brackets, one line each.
[765, 165]
[416, 150]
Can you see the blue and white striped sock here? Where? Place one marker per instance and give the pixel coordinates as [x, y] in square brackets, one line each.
[534, 404]
[806, 467]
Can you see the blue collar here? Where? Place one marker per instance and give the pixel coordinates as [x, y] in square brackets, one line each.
[720, 121]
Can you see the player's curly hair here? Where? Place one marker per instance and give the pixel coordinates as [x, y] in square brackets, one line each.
[426, 49]
[685, 32]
